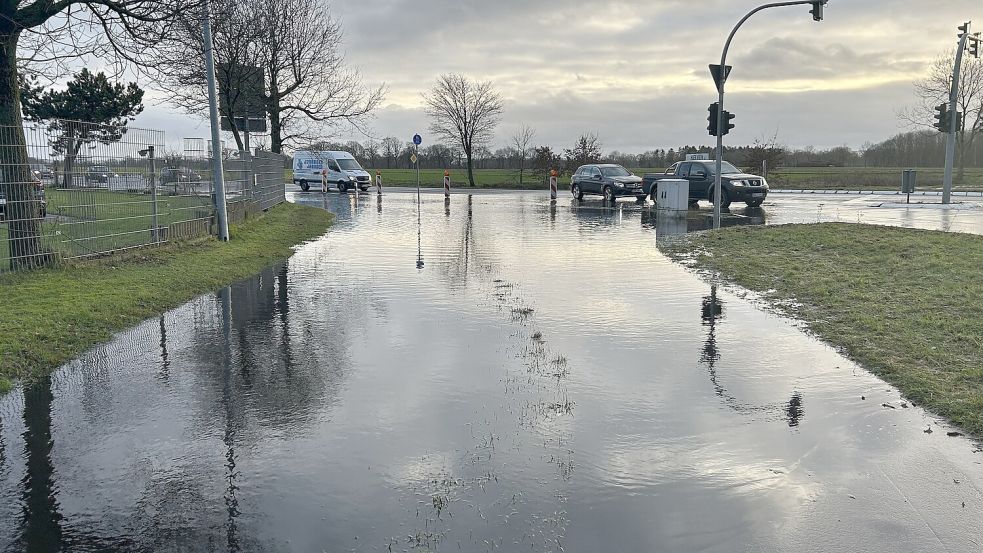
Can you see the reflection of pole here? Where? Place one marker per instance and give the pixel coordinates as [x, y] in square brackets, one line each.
[42, 521]
[231, 501]
[419, 230]
[165, 363]
[218, 171]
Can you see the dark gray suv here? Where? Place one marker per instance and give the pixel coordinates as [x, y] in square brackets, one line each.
[608, 180]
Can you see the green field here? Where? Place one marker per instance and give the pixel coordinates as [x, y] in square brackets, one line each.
[801, 178]
[904, 303]
[84, 222]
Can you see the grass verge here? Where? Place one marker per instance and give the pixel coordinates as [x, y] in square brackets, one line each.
[903, 303]
[53, 315]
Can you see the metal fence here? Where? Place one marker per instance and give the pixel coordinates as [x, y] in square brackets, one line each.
[72, 190]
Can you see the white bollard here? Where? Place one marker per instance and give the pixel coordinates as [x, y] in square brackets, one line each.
[447, 184]
[553, 184]
[378, 182]
[324, 182]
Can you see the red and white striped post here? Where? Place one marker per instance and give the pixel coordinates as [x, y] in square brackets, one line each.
[447, 184]
[324, 181]
[378, 182]
[553, 184]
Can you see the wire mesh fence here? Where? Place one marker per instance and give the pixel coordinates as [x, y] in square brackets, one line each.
[71, 190]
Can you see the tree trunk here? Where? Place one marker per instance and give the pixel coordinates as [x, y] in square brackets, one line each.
[470, 168]
[23, 211]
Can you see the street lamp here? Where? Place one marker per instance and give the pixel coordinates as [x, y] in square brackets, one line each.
[720, 73]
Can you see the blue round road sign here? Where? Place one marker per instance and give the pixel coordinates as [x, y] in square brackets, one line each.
[417, 139]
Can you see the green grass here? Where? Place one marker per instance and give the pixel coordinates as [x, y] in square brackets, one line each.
[51, 316]
[903, 303]
[807, 178]
[89, 221]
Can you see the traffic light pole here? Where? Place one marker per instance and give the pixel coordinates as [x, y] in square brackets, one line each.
[720, 102]
[950, 139]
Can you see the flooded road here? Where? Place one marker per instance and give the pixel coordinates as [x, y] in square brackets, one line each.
[492, 373]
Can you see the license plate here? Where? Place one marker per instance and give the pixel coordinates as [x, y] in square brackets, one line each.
[757, 195]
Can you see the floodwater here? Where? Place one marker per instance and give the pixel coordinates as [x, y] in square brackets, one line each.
[494, 373]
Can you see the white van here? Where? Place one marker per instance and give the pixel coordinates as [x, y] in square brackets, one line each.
[340, 168]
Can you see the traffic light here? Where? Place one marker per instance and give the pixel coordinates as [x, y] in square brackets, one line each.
[712, 127]
[962, 29]
[728, 117]
[817, 10]
[942, 117]
[974, 46]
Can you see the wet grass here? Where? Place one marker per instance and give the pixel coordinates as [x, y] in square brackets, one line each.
[904, 303]
[53, 315]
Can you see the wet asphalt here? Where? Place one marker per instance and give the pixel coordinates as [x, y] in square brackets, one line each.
[489, 373]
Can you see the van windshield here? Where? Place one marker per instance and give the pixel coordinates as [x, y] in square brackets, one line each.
[349, 165]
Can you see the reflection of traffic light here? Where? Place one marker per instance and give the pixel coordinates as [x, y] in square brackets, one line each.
[712, 119]
[728, 117]
[817, 10]
[942, 117]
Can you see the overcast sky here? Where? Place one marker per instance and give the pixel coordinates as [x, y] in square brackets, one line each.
[635, 71]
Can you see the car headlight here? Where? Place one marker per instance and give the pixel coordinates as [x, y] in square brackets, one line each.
[619, 184]
[737, 183]
[351, 177]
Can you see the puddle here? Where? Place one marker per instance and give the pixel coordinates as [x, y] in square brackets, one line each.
[489, 373]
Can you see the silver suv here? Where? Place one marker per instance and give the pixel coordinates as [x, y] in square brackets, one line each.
[605, 179]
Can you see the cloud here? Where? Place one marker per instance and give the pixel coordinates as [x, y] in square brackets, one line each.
[635, 71]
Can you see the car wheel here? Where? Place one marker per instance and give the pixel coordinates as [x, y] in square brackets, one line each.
[724, 198]
[577, 193]
[755, 203]
[609, 194]
[305, 186]
[342, 187]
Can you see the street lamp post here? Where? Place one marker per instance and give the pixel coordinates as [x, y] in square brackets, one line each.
[720, 76]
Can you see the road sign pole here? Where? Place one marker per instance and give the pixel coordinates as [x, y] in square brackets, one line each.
[218, 171]
[416, 154]
[950, 139]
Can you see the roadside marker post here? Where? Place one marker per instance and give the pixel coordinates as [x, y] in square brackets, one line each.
[553, 185]
[378, 183]
[324, 181]
[447, 184]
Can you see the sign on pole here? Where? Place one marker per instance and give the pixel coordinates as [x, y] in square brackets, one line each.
[417, 139]
[715, 72]
[240, 89]
[412, 158]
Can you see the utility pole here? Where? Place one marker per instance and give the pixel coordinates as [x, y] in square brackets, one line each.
[950, 139]
[720, 74]
[218, 171]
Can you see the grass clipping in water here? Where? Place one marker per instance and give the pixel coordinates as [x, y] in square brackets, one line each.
[904, 303]
[53, 315]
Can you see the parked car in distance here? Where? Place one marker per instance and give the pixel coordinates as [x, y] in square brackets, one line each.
[735, 185]
[39, 190]
[171, 175]
[341, 170]
[99, 174]
[605, 179]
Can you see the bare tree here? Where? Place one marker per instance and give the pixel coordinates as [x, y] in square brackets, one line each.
[465, 112]
[586, 150]
[391, 147]
[521, 141]
[308, 89]
[933, 90]
[124, 28]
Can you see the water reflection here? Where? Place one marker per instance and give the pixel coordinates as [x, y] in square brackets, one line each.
[41, 520]
[550, 383]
